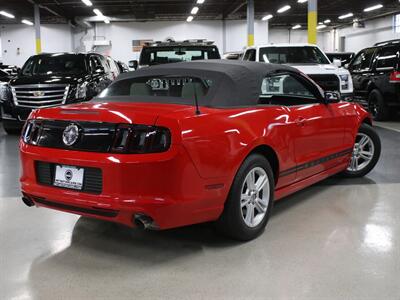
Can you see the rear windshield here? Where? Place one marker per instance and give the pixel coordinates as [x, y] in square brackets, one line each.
[165, 55]
[293, 55]
[54, 64]
[159, 89]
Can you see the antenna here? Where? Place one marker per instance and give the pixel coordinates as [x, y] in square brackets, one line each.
[196, 100]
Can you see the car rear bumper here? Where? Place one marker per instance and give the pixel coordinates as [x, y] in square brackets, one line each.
[165, 187]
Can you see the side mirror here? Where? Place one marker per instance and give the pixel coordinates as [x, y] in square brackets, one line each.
[332, 97]
[134, 64]
[337, 63]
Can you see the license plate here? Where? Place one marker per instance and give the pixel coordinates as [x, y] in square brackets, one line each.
[69, 177]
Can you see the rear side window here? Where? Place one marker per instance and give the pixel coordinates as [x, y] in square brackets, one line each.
[285, 90]
[387, 58]
[363, 60]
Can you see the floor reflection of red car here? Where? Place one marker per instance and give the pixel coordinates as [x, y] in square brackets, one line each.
[194, 142]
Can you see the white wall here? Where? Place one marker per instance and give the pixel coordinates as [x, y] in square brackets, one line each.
[375, 31]
[18, 41]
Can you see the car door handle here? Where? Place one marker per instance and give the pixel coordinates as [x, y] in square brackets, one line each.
[300, 121]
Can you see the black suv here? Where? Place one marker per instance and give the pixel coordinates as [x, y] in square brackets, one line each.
[376, 78]
[157, 53]
[48, 80]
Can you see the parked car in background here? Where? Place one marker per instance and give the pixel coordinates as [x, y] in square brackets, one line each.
[48, 80]
[115, 70]
[159, 53]
[194, 142]
[344, 57]
[310, 60]
[233, 55]
[376, 77]
[123, 67]
[9, 69]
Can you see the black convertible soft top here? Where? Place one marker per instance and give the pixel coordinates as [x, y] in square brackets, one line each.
[238, 82]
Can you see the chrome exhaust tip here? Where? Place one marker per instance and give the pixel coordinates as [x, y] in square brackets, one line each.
[144, 222]
[28, 202]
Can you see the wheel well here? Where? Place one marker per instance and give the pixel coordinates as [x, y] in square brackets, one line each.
[367, 121]
[269, 154]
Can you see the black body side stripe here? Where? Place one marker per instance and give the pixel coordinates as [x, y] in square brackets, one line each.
[315, 162]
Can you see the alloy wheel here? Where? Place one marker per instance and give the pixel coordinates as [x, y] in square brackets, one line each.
[363, 153]
[255, 197]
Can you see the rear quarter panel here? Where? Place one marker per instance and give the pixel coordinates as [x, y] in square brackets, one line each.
[218, 140]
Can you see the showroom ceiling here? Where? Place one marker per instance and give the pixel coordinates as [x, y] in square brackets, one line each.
[59, 11]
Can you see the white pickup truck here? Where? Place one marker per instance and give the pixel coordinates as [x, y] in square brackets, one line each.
[310, 60]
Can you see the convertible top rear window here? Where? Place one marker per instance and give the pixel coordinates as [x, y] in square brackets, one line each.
[160, 89]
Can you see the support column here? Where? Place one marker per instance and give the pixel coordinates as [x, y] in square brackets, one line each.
[250, 23]
[312, 21]
[224, 40]
[37, 29]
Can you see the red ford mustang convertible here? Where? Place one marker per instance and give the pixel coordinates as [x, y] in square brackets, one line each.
[186, 143]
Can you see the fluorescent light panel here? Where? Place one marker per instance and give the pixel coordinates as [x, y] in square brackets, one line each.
[349, 15]
[302, 1]
[298, 26]
[98, 12]
[321, 26]
[327, 21]
[375, 7]
[267, 17]
[27, 22]
[284, 8]
[87, 2]
[200, 1]
[189, 19]
[107, 21]
[195, 10]
[6, 14]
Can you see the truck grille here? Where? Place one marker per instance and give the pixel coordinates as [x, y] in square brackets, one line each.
[327, 82]
[40, 95]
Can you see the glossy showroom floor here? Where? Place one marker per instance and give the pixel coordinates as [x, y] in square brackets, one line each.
[337, 240]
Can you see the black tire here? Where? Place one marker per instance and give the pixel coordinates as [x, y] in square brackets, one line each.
[10, 128]
[231, 223]
[371, 133]
[377, 106]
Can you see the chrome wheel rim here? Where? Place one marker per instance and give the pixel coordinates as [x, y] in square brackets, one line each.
[255, 196]
[363, 152]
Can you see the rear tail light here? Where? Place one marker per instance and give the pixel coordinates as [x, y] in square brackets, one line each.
[141, 139]
[395, 77]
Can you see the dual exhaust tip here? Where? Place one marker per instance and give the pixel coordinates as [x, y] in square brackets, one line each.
[28, 202]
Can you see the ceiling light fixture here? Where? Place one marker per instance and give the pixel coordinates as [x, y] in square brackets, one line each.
[189, 19]
[321, 26]
[375, 7]
[27, 22]
[200, 1]
[284, 8]
[302, 1]
[267, 17]
[327, 21]
[6, 14]
[195, 10]
[98, 12]
[87, 2]
[298, 26]
[349, 15]
[107, 20]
